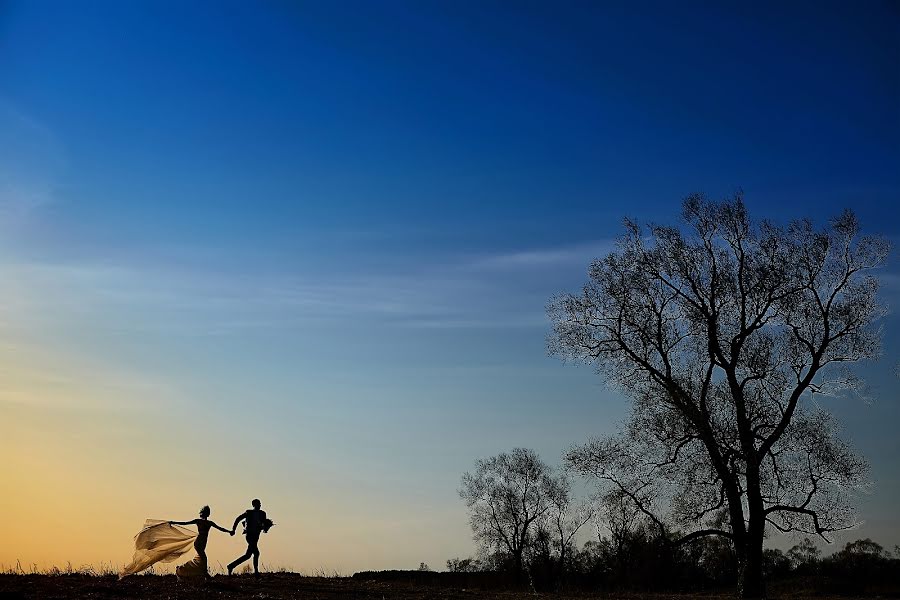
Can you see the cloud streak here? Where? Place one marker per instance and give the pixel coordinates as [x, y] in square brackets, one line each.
[31, 159]
[493, 290]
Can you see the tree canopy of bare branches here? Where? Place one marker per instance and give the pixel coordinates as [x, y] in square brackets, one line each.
[723, 332]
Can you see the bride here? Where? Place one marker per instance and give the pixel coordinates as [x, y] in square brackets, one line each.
[165, 541]
[198, 566]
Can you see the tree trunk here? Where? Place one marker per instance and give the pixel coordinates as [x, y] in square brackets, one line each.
[518, 566]
[750, 580]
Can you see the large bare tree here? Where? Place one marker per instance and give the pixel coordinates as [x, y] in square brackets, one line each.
[723, 331]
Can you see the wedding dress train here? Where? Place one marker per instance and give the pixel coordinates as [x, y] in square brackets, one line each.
[157, 542]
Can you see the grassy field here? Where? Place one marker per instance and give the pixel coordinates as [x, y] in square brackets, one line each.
[246, 587]
[272, 586]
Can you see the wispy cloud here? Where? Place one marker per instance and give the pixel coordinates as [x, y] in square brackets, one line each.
[31, 159]
[19, 199]
[531, 259]
[497, 290]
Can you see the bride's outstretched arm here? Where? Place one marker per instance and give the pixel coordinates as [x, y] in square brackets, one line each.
[183, 522]
[222, 529]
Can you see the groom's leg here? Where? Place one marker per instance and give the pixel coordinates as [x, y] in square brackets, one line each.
[239, 560]
[253, 547]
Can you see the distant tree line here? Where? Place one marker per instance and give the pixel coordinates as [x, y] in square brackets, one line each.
[628, 553]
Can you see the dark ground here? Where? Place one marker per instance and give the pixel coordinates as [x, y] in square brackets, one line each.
[271, 586]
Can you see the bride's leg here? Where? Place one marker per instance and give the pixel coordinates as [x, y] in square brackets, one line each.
[201, 554]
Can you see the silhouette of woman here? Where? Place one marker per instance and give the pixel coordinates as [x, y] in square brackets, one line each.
[198, 566]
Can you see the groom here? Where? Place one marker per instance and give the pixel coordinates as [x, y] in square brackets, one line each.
[255, 521]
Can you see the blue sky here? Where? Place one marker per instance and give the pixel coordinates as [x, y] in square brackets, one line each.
[326, 233]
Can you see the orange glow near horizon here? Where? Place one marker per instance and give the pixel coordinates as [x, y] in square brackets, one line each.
[82, 472]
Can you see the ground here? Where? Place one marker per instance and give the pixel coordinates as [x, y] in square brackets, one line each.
[269, 586]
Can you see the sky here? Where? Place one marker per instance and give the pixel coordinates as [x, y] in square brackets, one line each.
[302, 251]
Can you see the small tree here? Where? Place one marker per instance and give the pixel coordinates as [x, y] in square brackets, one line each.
[721, 334]
[506, 495]
[805, 555]
[464, 565]
[860, 562]
[864, 548]
[564, 519]
[775, 563]
[623, 523]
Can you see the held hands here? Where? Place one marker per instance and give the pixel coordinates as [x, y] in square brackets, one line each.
[231, 532]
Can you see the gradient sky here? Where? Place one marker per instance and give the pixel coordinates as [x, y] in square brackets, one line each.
[301, 251]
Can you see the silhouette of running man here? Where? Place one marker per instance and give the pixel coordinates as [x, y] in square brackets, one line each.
[254, 524]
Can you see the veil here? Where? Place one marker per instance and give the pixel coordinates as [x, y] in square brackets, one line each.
[158, 542]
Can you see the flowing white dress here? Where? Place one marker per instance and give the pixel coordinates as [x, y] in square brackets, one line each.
[157, 542]
[196, 568]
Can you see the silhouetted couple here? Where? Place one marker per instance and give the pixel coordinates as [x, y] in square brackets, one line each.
[165, 541]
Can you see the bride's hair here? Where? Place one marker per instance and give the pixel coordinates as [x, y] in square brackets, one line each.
[206, 510]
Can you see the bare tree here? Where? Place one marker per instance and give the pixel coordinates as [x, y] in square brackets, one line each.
[618, 515]
[804, 555]
[722, 333]
[506, 495]
[565, 517]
